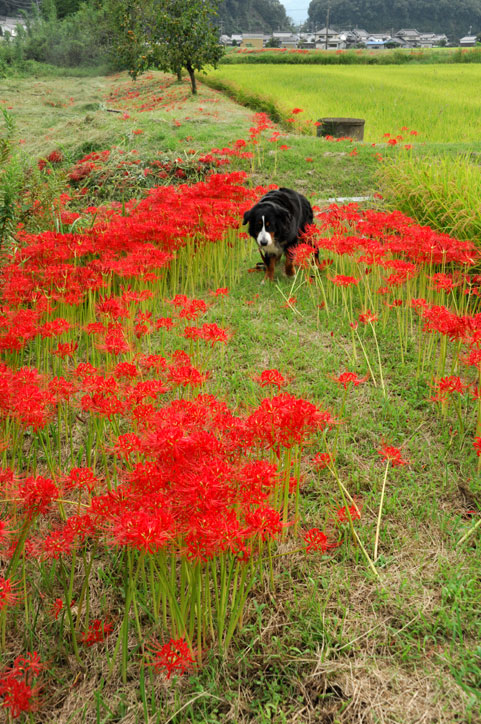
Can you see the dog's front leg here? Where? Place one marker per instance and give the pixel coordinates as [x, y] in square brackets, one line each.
[270, 263]
[289, 264]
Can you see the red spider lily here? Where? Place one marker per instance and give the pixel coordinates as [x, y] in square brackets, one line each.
[104, 404]
[264, 522]
[25, 397]
[349, 378]
[37, 494]
[186, 375]
[4, 529]
[343, 516]
[55, 157]
[164, 323]
[368, 317]
[340, 280]
[144, 530]
[221, 292]
[56, 608]
[447, 386]
[66, 349]
[208, 332]
[126, 445]
[477, 445]
[393, 455]
[303, 254]
[193, 308]
[8, 594]
[174, 657]
[324, 460]
[317, 541]
[271, 377]
[17, 694]
[443, 282]
[285, 420]
[125, 370]
[97, 632]
[295, 111]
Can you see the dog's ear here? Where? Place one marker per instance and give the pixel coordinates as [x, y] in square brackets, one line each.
[247, 216]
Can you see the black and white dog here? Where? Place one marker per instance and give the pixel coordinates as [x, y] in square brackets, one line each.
[276, 222]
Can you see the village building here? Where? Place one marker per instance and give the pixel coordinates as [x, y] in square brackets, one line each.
[9, 25]
[253, 40]
[468, 41]
[333, 39]
[286, 40]
[330, 39]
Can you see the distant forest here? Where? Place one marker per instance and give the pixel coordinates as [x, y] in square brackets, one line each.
[237, 16]
[438, 16]
[234, 16]
[14, 8]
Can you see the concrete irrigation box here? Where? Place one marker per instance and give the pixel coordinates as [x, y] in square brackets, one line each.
[341, 127]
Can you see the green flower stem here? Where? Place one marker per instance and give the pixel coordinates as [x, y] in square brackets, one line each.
[379, 515]
[470, 532]
[68, 608]
[354, 534]
[366, 357]
[378, 359]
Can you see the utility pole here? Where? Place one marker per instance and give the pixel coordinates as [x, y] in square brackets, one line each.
[326, 41]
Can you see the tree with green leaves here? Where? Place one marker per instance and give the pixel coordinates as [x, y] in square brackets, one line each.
[167, 34]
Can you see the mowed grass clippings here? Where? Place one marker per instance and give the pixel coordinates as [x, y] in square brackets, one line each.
[85, 115]
[327, 643]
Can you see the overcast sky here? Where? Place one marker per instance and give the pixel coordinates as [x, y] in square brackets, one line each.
[296, 9]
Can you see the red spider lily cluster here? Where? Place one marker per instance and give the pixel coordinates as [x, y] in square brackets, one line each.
[19, 691]
[126, 452]
[174, 657]
[403, 269]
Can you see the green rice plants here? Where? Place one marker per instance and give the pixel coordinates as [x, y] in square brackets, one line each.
[443, 192]
[424, 98]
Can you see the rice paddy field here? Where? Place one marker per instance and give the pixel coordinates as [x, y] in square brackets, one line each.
[442, 103]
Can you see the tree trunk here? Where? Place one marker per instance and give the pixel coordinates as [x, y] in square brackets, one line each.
[191, 73]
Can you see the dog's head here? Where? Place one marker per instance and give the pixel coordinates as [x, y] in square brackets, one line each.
[269, 224]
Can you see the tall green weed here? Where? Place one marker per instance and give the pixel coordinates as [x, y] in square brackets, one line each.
[82, 39]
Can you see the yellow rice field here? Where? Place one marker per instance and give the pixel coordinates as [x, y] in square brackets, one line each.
[442, 103]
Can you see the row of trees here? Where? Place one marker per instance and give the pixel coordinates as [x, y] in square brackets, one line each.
[171, 35]
[439, 16]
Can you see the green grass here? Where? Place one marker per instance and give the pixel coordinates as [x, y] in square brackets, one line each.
[436, 100]
[332, 646]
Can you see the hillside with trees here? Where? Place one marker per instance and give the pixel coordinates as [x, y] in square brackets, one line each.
[237, 16]
[233, 15]
[439, 16]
